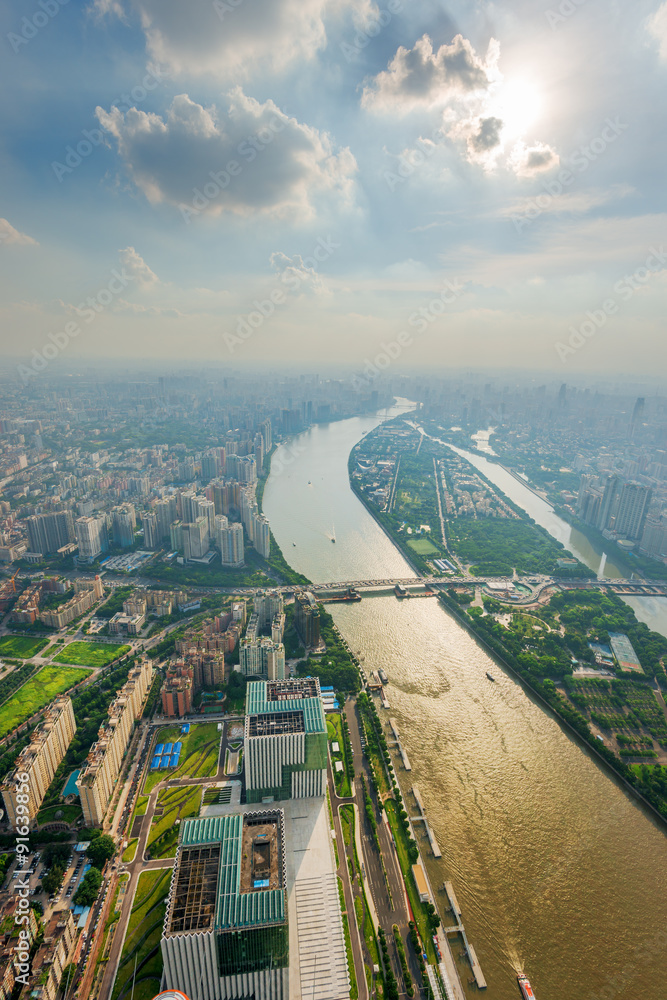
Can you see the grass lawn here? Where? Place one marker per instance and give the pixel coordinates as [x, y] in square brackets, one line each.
[176, 804]
[91, 654]
[69, 814]
[21, 645]
[143, 938]
[423, 547]
[37, 692]
[199, 754]
[354, 992]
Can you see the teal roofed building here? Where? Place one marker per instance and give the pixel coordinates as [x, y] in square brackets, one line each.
[226, 929]
[285, 740]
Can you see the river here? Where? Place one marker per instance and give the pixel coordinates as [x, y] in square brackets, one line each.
[557, 870]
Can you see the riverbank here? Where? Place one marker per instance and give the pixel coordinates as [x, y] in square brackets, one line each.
[554, 703]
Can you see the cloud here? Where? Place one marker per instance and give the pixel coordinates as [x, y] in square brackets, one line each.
[9, 235]
[487, 136]
[252, 160]
[657, 28]
[295, 273]
[107, 8]
[574, 203]
[423, 77]
[228, 37]
[526, 161]
[138, 269]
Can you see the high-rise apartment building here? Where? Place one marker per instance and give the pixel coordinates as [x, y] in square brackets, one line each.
[210, 466]
[195, 538]
[229, 540]
[97, 778]
[177, 690]
[262, 657]
[124, 525]
[261, 535]
[49, 532]
[166, 510]
[40, 760]
[633, 504]
[152, 537]
[307, 618]
[92, 538]
[266, 605]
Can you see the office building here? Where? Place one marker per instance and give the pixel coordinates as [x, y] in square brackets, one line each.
[98, 775]
[40, 759]
[226, 931]
[285, 740]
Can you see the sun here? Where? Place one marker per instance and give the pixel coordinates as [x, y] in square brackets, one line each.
[519, 105]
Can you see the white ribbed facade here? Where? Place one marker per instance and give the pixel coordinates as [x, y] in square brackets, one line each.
[190, 960]
[308, 784]
[265, 757]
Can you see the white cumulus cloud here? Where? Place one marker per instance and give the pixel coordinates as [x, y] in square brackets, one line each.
[657, 27]
[139, 271]
[252, 160]
[11, 236]
[424, 77]
[228, 37]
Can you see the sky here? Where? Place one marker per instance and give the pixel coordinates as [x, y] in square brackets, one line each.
[401, 184]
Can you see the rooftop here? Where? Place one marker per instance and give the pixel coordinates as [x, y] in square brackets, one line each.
[285, 697]
[229, 874]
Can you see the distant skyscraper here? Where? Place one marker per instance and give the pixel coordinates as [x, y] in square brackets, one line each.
[608, 501]
[632, 509]
[209, 466]
[229, 540]
[195, 538]
[124, 525]
[262, 535]
[152, 537]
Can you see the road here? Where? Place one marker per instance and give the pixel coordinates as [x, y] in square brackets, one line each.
[390, 909]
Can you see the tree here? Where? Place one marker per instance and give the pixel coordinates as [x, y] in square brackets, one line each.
[100, 850]
[87, 892]
[37, 907]
[55, 853]
[52, 880]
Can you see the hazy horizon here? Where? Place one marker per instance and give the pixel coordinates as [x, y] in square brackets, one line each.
[314, 183]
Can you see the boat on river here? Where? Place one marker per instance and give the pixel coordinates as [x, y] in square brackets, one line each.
[525, 987]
